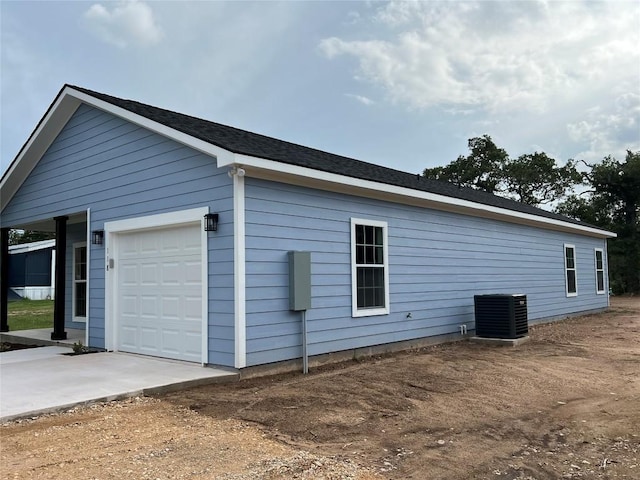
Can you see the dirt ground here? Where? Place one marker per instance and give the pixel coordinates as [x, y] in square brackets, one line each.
[564, 405]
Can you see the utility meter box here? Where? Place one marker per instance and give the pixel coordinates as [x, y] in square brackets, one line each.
[299, 281]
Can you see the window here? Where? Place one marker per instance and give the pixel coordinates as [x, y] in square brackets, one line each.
[570, 270]
[599, 271]
[79, 282]
[369, 268]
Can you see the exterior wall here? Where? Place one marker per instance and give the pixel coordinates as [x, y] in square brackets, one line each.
[437, 262]
[120, 170]
[30, 271]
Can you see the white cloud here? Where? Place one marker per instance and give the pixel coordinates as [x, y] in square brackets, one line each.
[609, 129]
[124, 23]
[360, 98]
[495, 56]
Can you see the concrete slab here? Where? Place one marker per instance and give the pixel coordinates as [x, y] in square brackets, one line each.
[42, 380]
[42, 336]
[501, 342]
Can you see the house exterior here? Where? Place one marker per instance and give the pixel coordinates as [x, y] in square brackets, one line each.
[395, 258]
[31, 270]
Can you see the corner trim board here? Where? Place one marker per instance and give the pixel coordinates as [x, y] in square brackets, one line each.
[239, 272]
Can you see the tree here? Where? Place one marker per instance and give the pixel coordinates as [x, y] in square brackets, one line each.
[532, 178]
[613, 203]
[17, 237]
[480, 169]
[535, 178]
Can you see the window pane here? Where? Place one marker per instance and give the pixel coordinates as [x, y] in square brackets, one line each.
[378, 240]
[571, 281]
[80, 307]
[379, 256]
[368, 234]
[369, 255]
[80, 267]
[599, 260]
[600, 277]
[359, 234]
[568, 251]
[359, 254]
[370, 287]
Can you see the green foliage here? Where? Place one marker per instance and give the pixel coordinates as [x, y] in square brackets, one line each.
[18, 237]
[613, 203]
[78, 348]
[536, 179]
[532, 178]
[480, 169]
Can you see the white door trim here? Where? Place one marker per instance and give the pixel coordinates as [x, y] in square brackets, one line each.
[170, 219]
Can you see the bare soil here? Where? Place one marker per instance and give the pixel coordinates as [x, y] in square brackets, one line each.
[564, 405]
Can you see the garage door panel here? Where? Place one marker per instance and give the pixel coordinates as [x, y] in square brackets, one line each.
[192, 272]
[171, 273]
[160, 293]
[149, 306]
[149, 337]
[192, 307]
[128, 274]
[171, 307]
[128, 336]
[148, 273]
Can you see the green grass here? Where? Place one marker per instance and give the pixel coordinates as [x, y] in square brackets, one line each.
[28, 314]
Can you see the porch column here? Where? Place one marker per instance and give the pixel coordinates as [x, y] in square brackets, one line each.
[4, 279]
[61, 265]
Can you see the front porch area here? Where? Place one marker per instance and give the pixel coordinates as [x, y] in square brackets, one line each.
[70, 260]
[42, 337]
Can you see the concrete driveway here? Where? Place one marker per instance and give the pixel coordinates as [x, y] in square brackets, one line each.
[43, 379]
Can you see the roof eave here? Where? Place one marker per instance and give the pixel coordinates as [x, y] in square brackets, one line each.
[283, 172]
[56, 117]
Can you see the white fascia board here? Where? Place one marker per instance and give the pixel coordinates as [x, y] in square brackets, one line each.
[45, 133]
[57, 117]
[284, 172]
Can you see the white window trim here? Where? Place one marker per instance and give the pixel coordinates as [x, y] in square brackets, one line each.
[74, 317]
[575, 269]
[604, 279]
[368, 312]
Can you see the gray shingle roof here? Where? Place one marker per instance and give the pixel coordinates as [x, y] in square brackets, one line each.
[256, 145]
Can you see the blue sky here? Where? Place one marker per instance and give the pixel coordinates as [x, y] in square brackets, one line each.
[401, 84]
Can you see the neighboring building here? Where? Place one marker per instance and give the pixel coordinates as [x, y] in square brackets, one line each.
[31, 269]
[394, 257]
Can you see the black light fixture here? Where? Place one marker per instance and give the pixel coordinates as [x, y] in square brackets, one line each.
[97, 236]
[211, 222]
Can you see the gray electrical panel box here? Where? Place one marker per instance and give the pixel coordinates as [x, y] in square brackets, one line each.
[299, 281]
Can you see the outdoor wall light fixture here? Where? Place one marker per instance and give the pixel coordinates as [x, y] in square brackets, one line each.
[211, 222]
[97, 236]
[236, 170]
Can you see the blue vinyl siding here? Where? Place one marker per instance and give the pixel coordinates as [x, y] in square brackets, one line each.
[121, 170]
[437, 262]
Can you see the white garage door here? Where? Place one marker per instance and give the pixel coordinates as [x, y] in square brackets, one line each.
[159, 293]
